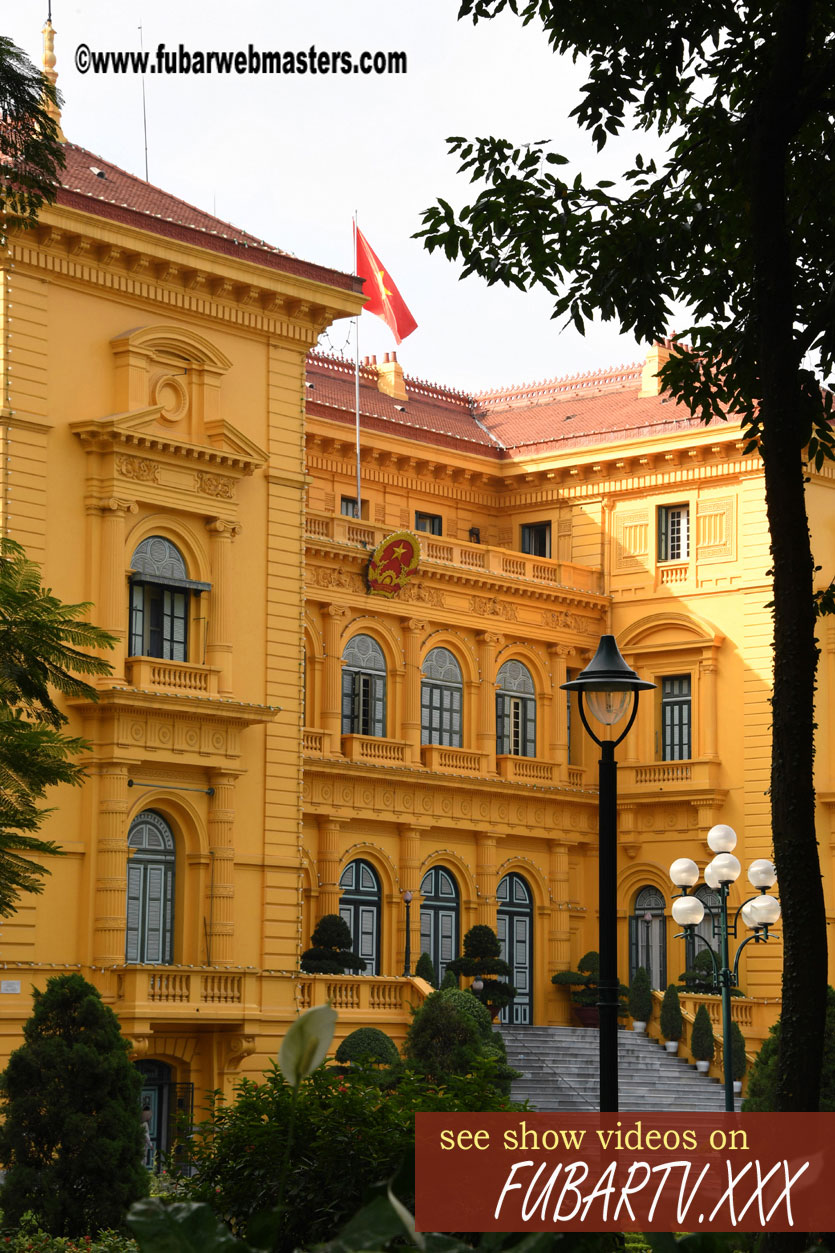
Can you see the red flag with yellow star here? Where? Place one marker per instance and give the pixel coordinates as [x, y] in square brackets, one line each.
[384, 298]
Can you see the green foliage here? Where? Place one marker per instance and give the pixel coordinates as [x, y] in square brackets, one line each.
[586, 978]
[450, 980]
[640, 996]
[331, 952]
[672, 1022]
[42, 643]
[31, 154]
[72, 1141]
[28, 1237]
[368, 1044]
[482, 958]
[349, 1135]
[702, 1044]
[425, 970]
[762, 1083]
[468, 1003]
[442, 1040]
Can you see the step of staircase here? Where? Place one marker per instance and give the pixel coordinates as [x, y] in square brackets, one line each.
[560, 1071]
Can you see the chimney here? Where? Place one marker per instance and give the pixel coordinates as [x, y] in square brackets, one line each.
[390, 377]
[656, 357]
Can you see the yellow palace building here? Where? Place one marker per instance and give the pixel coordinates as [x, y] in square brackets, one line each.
[276, 741]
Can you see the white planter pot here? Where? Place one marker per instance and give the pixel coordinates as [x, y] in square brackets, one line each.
[671, 1046]
[737, 1087]
[703, 1067]
[639, 1026]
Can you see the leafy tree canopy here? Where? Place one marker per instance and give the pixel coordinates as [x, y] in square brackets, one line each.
[42, 651]
[31, 153]
[734, 222]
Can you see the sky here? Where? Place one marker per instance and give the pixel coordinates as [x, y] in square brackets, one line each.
[291, 158]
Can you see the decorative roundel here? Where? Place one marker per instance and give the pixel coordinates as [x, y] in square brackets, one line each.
[172, 397]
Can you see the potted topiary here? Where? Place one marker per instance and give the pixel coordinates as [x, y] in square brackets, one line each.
[370, 1045]
[672, 1023]
[739, 1061]
[702, 1044]
[640, 999]
[331, 952]
[426, 970]
[482, 956]
[586, 979]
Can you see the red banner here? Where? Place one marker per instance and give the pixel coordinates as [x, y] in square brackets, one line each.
[625, 1172]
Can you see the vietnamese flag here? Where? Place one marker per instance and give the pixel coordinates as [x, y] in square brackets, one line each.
[384, 298]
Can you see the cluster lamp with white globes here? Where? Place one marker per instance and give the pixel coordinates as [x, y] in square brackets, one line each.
[610, 688]
[758, 913]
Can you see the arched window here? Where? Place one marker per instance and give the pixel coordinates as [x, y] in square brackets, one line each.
[692, 945]
[439, 918]
[515, 711]
[441, 696]
[648, 937]
[359, 905]
[159, 600]
[363, 687]
[149, 933]
[514, 927]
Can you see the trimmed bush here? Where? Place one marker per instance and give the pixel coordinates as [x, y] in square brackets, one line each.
[739, 1062]
[450, 980]
[368, 1044]
[482, 956]
[672, 1023]
[468, 1003]
[72, 1141]
[425, 970]
[640, 996]
[586, 978]
[331, 952]
[441, 1039]
[702, 1043]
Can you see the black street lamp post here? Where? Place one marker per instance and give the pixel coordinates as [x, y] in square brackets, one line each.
[407, 961]
[757, 912]
[608, 685]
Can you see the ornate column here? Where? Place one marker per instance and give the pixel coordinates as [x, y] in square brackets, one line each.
[707, 733]
[485, 875]
[219, 627]
[112, 608]
[558, 722]
[333, 617]
[488, 642]
[111, 864]
[409, 857]
[220, 903]
[559, 934]
[327, 865]
[413, 631]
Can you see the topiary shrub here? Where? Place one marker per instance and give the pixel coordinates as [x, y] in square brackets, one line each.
[72, 1142]
[739, 1062]
[702, 1043]
[469, 1004]
[368, 1044]
[331, 953]
[586, 978]
[482, 956]
[640, 996]
[672, 1023]
[450, 980]
[426, 970]
[441, 1040]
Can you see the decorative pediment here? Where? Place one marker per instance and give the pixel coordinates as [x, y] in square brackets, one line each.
[141, 433]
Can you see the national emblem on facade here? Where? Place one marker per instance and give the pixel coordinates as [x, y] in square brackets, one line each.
[394, 562]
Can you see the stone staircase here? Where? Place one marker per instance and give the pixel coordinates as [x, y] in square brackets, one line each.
[560, 1071]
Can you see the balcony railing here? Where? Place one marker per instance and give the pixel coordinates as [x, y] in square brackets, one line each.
[171, 990]
[461, 760]
[669, 775]
[525, 769]
[171, 676]
[313, 742]
[480, 558]
[374, 748]
[355, 995]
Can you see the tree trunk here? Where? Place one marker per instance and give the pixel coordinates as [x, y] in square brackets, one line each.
[795, 648]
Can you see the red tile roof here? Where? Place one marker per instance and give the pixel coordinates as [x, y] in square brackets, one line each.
[114, 194]
[601, 407]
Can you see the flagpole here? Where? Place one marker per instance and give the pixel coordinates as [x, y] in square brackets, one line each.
[357, 381]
